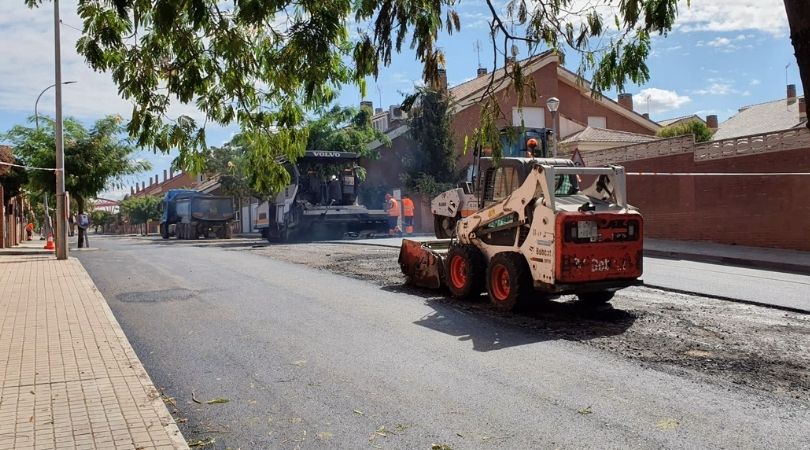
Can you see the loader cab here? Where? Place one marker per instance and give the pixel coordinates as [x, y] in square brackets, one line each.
[499, 179]
[518, 142]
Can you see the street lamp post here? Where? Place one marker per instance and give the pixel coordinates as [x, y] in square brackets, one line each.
[36, 115]
[48, 228]
[61, 208]
[553, 104]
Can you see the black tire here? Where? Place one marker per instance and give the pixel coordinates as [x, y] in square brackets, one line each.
[596, 298]
[228, 231]
[509, 281]
[444, 227]
[465, 269]
[164, 230]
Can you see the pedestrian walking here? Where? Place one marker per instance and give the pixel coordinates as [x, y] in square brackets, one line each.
[392, 206]
[72, 223]
[407, 214]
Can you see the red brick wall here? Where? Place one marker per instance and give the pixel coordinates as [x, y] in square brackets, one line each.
[763, 211]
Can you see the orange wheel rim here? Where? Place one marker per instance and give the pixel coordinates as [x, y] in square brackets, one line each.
[500, 283]
[458, 271]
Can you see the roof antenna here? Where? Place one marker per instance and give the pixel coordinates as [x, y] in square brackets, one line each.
[379, 94]
[787, 108]
[477, 47]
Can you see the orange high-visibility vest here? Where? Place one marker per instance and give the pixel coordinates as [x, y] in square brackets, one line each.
[393, 207]
[407, 207]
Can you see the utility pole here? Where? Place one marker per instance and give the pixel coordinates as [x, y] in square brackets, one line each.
[61, 208]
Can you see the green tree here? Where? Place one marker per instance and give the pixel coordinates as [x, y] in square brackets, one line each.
[432, 168]
[343, 129]
[266, 63]
[140, 210]
[695, 127]
[11, 178]
[95, 159]
[101, 219]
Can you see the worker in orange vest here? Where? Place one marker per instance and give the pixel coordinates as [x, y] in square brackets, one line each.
[392, 206]
[407, 214]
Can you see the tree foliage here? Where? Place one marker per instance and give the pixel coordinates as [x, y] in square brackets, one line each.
[697, 128]
[266, 63]
[11, 178]
[101, 218]
[95, 159]
[432, 168]
[139, 210]
[343, 129]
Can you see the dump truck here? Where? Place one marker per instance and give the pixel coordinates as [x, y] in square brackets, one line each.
[321, 201]
[190, 214]
[540, 238]
[516, 145]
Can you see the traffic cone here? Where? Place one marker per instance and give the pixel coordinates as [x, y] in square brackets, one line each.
[49, 245]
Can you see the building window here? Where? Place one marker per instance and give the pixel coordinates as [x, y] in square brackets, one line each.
[531, 117]
[597, 121]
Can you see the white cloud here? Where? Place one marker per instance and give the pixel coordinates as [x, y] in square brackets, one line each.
[660, 100]
[755, 82]
[716, 87]
[733, 15]
[719, 42]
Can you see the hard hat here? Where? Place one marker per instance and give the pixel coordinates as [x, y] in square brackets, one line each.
[387, 196]
[531, 142]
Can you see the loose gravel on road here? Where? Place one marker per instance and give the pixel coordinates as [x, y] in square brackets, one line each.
[752, 347]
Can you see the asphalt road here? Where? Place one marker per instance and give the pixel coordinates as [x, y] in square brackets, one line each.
[751, 285]
[310, 359]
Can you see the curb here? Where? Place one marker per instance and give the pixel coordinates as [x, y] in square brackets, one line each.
[729, 299]
[731, 261]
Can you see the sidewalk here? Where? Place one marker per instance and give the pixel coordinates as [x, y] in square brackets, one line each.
[68, 376]
[735, 255]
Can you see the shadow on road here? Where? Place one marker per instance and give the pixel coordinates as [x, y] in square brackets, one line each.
[490, 329]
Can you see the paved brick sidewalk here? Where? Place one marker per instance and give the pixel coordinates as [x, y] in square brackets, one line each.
[68, 376]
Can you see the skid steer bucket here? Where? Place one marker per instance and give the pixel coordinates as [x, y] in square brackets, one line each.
[422, 262]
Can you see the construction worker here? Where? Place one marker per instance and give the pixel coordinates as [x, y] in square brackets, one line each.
[392, 206]
[29, 231]
[407, 214]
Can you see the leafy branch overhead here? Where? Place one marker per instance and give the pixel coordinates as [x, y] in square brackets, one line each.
[265, 64]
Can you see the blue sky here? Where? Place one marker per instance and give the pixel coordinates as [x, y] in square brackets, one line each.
[723, 54]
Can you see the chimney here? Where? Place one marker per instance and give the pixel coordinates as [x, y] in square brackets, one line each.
[626, 100]
[143, 185]
[442, 75]
[165, 175]
[171, 173]
[131, 190]
[378, 110]
[646, 116]
[791, 94]
[367, 103]
[711, 121]
[482, 71]
[157, 178]
[802, 109]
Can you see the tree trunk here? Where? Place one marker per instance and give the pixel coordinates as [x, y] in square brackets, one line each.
[798, 14]
[80, 207]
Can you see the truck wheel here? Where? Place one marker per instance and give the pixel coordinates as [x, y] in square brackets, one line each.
[465, 271]
[509, 281]
[228, 231]
[444, 227]
[164, 230]
[596, 298]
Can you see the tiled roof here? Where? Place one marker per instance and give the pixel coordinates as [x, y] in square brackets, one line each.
[761, 118]
[475, 85]
[590, 134]
[668, 122]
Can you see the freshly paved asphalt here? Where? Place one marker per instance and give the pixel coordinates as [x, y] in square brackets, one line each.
[310, 359]
[759, 286]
